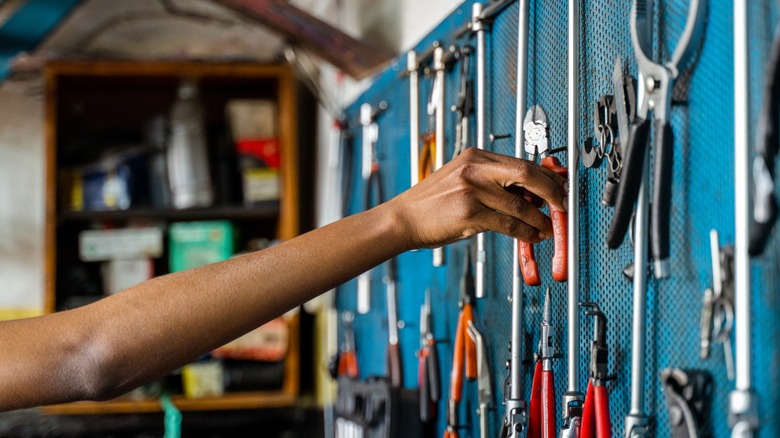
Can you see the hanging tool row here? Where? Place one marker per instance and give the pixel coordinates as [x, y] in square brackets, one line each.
[638, 110]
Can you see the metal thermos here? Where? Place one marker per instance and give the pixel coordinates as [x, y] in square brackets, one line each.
[188, 164]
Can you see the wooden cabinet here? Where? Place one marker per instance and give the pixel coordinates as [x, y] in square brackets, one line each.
[89, 102]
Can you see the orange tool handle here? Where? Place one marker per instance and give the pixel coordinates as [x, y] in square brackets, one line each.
[450, 433]
[528, 265]
[588, 425]
[548, 405]
[427, 160]
[470, 345]
[456, 375]
[394, 365]
[560, 226]
[603, 425]
[535, 405]
[348, 364]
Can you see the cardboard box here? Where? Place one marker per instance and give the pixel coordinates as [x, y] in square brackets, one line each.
[194, 244]
[120, 244]
[119, 275]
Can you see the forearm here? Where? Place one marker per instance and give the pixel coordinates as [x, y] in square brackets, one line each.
[128, 339]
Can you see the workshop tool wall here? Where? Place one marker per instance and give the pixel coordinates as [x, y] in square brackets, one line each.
[703, 198]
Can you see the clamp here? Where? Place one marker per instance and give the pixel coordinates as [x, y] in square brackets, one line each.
[596, 421]
[656, 83]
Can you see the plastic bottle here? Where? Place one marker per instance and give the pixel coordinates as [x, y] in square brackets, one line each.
[188, 165]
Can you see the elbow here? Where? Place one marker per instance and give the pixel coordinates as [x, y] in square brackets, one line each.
[95, 371]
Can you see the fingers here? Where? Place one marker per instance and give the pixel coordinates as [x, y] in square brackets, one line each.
[518, 207]
[510, 226]
[511, 171]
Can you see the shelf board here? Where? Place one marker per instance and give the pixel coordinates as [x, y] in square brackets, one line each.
[229, 401]
[265, 210]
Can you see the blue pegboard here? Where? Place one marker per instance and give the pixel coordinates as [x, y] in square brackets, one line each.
[703, 199]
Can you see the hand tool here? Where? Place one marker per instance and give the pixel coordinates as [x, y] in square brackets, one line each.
[596, 421]
[717, 315]
[767, 147]
[515, 415]
[743, 402]
[348, 365]
[656, 85]
[624, 101]
[412, 70]
[484, 389]
[465, 106]
[394, 373]
[428, 157]
[637, 422]
[537, 144]
[435, 145]
[541, 422]
[573, 398]
[428, 371]
[688, 396]
[481, 18]
[371, 180]
[464, 360]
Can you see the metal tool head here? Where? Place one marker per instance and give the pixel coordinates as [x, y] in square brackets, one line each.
[425, 318]
[535, 129]
[467, 280]
[545, 338]
[484, 390]
[620, 102]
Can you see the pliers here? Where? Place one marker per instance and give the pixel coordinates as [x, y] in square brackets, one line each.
[656, 84]
[596, 421]
[372, 182]
[541, 408]
[464, 358]
[347, 361]
[428, 371]
[538, 144]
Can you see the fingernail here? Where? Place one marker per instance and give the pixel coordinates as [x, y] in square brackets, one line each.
[565, 202]
[543, 236]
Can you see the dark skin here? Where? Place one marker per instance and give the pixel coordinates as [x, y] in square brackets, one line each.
[107, 348]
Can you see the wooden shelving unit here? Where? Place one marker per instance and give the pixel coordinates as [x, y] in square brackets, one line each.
[119, 95]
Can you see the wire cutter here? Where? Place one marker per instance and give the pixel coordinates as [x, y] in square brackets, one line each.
[484, 389]
[541, 420]
[538, 144]
[596, 421]
[428, 371]
[427, 160]
[656, 84]
[372, 181]
[464, 358]
[465, 106]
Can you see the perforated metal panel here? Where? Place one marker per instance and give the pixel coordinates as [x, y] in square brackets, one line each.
[703, 199]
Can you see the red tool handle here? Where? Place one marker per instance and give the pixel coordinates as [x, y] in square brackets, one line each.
[603, 424]
[450, 433]
[548, 405]
[535, 404]
[459, 350]
[470, 345]
[348, 364]
[560, 226]
[588, 425]
[528, 266]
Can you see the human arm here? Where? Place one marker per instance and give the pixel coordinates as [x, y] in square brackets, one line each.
[110, 347]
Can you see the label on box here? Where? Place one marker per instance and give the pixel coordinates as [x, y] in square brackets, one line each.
[125, 244]
[267, 343]
[259, 153]
[261, 185]
[194, 244]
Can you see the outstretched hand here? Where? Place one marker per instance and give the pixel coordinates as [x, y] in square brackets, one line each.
[480, 191]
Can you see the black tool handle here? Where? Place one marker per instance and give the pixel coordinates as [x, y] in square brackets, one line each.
[394, 365]
[433, 372]
[662, 194]
[425, 389]
[630, 179]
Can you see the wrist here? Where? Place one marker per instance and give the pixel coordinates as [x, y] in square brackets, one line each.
[396, 226]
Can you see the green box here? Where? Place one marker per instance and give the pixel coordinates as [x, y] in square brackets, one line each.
[194, 244]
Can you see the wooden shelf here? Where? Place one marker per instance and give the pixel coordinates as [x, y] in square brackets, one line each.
[230, 401]
[267, 210]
